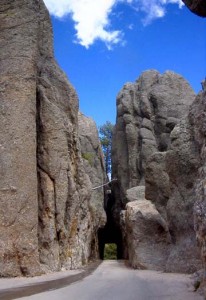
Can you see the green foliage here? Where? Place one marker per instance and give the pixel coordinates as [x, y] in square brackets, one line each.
[110, 251]
[89, 157]
[105, 135]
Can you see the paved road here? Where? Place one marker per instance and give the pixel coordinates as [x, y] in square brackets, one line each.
[112, 280]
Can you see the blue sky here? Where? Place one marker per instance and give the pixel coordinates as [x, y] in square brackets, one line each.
[101, 47]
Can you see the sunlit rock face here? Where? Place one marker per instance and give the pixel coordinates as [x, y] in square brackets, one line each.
[173, 176]
[45, 212]
[185, 209]
[154, 145]
[147, 234]
[147, 112]
[197, 6]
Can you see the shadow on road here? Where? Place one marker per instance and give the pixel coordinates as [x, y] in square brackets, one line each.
[40, 287]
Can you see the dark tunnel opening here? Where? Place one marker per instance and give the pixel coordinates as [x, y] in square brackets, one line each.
[110, 233]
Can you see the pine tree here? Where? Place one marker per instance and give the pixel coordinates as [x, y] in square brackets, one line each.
[105, 135]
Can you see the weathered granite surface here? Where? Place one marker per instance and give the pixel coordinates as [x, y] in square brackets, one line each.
[18, 191]
[197, 119]
[198, 123]
[173, 175]
[147, 111]
[94, 166]
[160, 152]
[147, 235]
[46, 221]
[159, 233]
[157, 181]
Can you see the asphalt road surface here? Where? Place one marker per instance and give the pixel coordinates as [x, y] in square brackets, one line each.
[113, 280]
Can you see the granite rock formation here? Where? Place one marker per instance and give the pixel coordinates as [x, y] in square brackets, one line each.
[157, 181]
[173, 175]
[147, 111]
[175, 184]
[197, 118]
[147, 234]
[197, 6]
[94, 166]
[198, 122]
[45, 212]
[160, 152]
[184, 166]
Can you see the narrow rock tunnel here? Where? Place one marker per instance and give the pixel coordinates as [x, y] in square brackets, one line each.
[110, 233]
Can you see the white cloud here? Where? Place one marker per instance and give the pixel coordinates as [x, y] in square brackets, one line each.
[131, 26]
[91, 17]
[58, 8]
[153, 9]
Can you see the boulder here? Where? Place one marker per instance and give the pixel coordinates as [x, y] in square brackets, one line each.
[135, 193]
[147, 235]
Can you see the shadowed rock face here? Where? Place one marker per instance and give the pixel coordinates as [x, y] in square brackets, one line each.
[197, 6]
[198, 123]
[45, 215]
[197, 118]
[94, 166]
